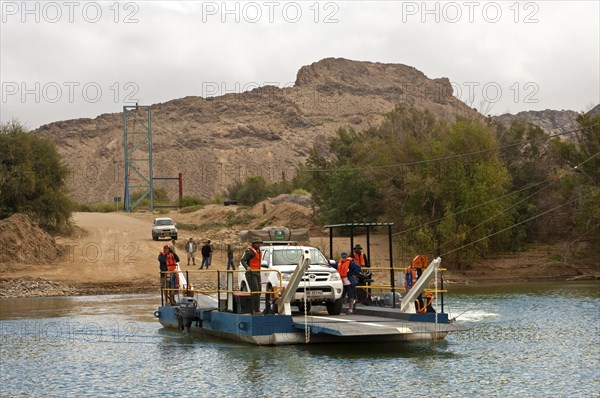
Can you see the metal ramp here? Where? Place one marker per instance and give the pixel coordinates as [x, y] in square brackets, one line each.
[369, 327]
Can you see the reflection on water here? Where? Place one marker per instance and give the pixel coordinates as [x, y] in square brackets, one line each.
[529, 340]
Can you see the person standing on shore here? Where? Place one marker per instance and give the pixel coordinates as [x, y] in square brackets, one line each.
[190, 249]
[230, 258]
[210, 256]
[206, 252]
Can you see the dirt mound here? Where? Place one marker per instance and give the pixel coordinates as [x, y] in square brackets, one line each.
[25, 243]
[290, 215]
[209, 214]
[222, 224]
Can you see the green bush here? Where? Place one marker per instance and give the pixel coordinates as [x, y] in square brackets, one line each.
[33, 178]
[234, 219]
[192, 200]
[161, 198]
[300, 192]
[97, 208]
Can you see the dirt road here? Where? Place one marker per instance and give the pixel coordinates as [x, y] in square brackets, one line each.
[113, 247]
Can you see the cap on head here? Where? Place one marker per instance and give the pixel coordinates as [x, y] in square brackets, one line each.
[165, 247]
[256, 240]
[172, 247]
[190, 238]
[344, 254]
[357, 247]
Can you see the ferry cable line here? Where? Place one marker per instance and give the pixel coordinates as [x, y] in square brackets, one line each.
[466, 154]
[528, 186]
[501, 212]
[508, 208]
[464, 312]
[551, 180]
[514, 225]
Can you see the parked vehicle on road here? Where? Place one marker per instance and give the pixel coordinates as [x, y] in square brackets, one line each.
[164, 228]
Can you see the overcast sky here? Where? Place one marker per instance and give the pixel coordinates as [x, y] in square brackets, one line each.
[64, 60]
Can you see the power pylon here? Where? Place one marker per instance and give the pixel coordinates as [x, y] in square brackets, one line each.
[137, 145]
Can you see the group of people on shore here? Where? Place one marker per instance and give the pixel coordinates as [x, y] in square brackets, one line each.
[207, 250]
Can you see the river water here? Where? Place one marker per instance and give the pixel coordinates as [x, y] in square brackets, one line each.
[538, 340]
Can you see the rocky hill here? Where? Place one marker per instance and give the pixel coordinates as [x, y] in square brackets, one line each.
[551, 121]
[267, 131]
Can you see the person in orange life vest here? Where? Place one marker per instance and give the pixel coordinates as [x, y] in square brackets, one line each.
[361, 259]
[342, 267]
[353, 273]
[167, 260]
[251, 262]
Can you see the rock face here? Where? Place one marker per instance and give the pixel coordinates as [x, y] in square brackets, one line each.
[267, 131]
[549, 120]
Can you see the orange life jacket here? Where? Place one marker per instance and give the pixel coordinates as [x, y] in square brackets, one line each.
[359, 258]
[343, 266]
[254, 262]
[171, 263]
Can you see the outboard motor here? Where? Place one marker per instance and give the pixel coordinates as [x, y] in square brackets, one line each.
[389, 299]
[186, 314]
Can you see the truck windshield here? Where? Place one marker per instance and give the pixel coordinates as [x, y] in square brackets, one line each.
[291, 256]
[164, 222]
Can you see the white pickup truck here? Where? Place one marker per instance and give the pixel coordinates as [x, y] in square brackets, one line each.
[321, 283]
[164, 228]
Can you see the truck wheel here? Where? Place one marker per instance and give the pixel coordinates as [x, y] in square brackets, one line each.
[244, 287]
[334, 308]
[301, 307]
[154, 237]
[174, 237]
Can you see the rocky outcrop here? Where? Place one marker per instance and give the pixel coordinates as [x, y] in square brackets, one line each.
[549, 120]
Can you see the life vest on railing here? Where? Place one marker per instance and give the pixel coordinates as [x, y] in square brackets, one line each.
[342, 268]
[419, 261]
[255, 261]
[410, 278]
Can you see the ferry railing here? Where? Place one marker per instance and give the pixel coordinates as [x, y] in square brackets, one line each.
[392, 287]
[191, 287]
[193, 281]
